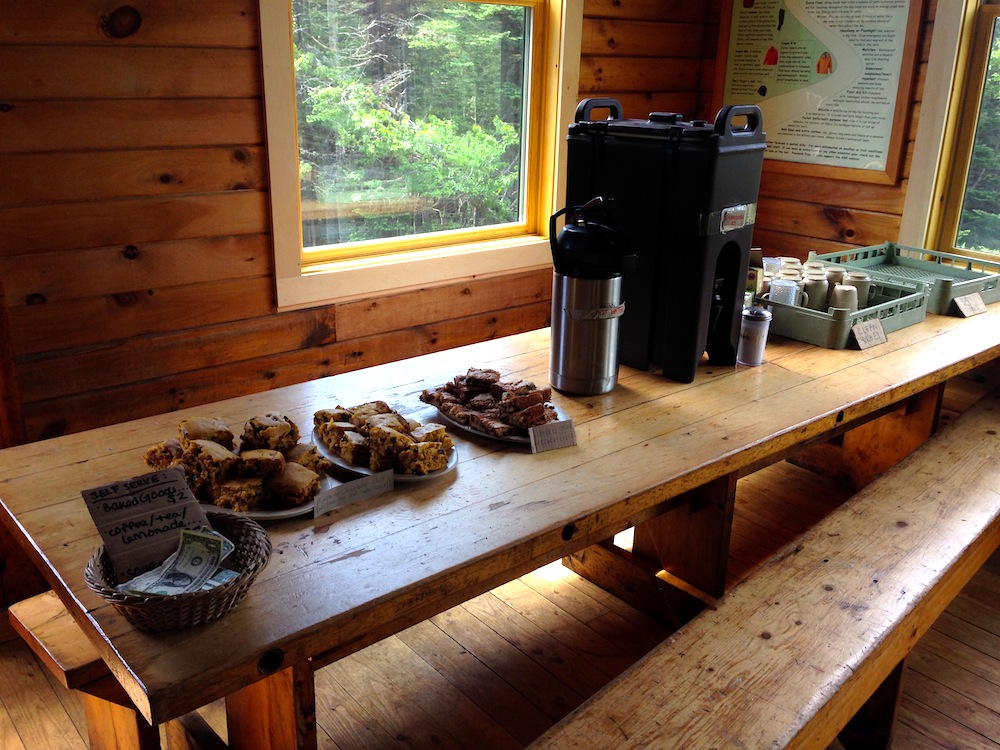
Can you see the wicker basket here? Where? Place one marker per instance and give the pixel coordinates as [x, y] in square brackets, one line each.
[157, 612]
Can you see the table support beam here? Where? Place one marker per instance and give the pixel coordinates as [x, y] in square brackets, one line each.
[280, 708]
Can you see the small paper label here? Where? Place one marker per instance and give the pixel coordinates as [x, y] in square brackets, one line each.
[362, 488]
[869, 333]
[970, 304]
[552, 435]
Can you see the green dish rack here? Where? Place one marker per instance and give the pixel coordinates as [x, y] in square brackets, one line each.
[948, 275]
[897, 304]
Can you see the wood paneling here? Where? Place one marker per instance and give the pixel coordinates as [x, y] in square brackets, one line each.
[135, 246]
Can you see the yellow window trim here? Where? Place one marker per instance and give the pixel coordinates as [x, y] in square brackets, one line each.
[300, 284]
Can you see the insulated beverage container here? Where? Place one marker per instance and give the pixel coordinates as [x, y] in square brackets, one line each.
[588, 259]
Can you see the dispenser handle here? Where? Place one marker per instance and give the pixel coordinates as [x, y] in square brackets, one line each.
[724, 120]
[584, 108]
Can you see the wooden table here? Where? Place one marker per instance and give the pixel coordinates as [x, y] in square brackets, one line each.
[376, 567]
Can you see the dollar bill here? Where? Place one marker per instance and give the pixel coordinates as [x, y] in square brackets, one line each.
[196, 560]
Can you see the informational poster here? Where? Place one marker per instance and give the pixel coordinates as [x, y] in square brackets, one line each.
[831, 78]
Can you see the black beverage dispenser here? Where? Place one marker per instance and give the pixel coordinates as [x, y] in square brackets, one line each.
[684, 198]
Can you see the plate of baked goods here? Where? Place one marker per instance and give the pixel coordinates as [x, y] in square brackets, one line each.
[372, 437]
[266, 473]
[482, 403]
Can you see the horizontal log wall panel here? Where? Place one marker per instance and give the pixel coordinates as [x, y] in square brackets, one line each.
[36, 73]
[827, 222]
[776, 243]
[383, 314]
[640, 39]
[194, 23]
[93, 320]
[132, 221]
[602, 73]
[95, 124]
[155, 357]
[124, 268]
[638, 105]
[97, 408]
[651, 10]
[52, 177]
[869, 196]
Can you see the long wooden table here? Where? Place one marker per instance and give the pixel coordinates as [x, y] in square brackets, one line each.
[373, 568]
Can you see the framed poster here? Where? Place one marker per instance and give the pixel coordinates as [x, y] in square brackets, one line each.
[832, 79]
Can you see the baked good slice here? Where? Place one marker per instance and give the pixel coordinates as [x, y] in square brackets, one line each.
[274, 431]
[307, 455]
[296, 485]
[261, 462]
[423, 458]
[245, 494]
[206, 428]
[354, 449]
[434, 433]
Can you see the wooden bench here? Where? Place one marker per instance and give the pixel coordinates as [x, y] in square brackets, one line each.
[817, 635]
[112, 721]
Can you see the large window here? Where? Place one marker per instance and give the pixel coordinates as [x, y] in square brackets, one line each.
[413, 141]
[969, 218]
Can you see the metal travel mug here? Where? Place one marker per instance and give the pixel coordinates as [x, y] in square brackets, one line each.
[753, 336]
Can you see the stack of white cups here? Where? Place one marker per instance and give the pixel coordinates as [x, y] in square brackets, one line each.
[815, 285]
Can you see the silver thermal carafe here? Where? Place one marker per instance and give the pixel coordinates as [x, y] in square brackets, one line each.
[589, 259]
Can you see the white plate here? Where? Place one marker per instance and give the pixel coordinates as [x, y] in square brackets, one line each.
[364, 471]
[295, 511]
[277, 515]
[502, 438]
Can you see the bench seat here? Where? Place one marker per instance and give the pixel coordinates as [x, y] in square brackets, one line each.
[789, 656]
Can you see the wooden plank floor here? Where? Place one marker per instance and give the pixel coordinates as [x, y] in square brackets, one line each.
[498, 670]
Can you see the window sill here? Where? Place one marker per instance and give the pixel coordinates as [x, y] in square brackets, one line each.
[345, 281]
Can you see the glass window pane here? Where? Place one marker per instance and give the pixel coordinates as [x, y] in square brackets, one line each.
[979, 223]
[410, 116]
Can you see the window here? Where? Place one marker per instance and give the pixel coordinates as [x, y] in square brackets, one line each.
[413, 141]
[968, 217]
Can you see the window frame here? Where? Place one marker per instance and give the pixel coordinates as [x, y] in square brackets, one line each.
[300, 284]
[955, 168]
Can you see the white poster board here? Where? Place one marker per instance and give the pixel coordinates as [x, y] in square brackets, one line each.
[831, 77]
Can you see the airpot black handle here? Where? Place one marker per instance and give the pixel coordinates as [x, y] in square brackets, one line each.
[724, 120]
[584, 108]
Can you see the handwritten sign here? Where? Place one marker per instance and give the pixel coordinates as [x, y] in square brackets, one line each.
[970, 304]
[552, 435]
[354, 491]
[869, 333]
[140, 519]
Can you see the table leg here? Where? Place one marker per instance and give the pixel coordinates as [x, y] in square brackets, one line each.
[112, 726]
[278, 712]
[691, 540]
[862, 453]
[678, 560]
[873, 724]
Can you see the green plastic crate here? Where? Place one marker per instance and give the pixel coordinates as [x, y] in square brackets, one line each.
[948, 275]
[897, 304]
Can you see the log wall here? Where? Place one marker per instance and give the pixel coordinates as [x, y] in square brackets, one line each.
[135, 248]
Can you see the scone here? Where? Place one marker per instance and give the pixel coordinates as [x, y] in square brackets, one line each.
[164, 455]
[274, 431]
[206, 428]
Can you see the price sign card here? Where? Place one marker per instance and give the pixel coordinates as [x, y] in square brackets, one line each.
[362, 488]
[869, 333]
[140, 519]
[970, 304]
[552, 435]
